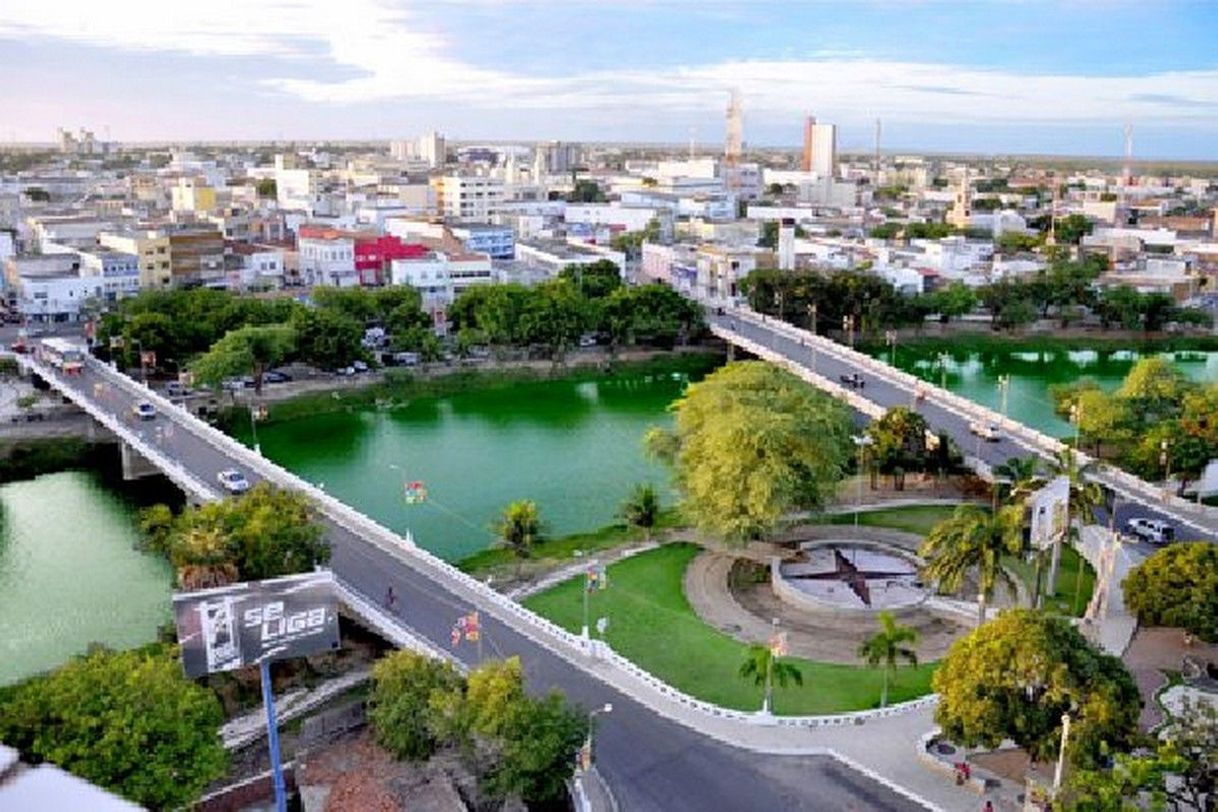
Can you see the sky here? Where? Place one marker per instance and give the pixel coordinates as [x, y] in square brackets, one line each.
[983, 76]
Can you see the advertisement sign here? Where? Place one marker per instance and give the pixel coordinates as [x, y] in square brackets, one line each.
[244, 624]
[1049, 509]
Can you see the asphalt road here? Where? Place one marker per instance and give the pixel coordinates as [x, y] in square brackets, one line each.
[650, 761]
[888, 394]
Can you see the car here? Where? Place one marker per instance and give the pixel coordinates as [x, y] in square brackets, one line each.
[587, 340]
[986, 431]
[232, 384]
[406, 359]
[144, 410]
[176, 389]
[275, 376]
[853, 380]
[19, 347]
[1153, 530]
[345, 371]
[233, 481]
[359, 366]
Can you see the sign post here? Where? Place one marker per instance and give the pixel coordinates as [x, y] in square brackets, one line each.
[253, 623]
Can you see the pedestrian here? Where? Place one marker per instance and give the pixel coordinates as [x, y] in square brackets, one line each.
[390, 598]
[989, 806]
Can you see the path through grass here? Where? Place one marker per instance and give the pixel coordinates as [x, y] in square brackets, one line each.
[652, 624]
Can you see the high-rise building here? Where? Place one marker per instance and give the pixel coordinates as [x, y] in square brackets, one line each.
[431, 148]
[733, 143]
[820, 148]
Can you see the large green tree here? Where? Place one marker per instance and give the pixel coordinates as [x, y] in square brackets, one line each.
[246, 350]
[751, 444]
[408, 690]
[595, 280]
[264, 533]
[328, 339]
[1177, 586]
[1014, 678]
[973, 540]
[898, 440]
[128, 721]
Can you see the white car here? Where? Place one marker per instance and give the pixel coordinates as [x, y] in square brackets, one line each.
[144, 410]
[233, 481]
[986, 431]
[1152, 530]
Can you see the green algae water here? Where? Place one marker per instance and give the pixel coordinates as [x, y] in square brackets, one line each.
[975, 374]
[70, 574]
[574, 447]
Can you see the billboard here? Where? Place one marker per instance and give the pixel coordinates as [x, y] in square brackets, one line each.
[243, 624]
[1049, 509]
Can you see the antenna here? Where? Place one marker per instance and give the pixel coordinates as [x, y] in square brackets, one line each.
[878, 130]
[693, 137]
[1127, 171]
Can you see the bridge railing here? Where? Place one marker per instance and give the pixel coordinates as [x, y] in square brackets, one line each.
[543, 631]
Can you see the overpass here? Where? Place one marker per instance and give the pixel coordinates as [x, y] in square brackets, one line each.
[823, 362]
[659, 749]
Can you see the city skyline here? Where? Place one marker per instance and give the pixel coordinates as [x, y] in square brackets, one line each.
[1046, 78]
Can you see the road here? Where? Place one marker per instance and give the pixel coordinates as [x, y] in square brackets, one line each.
[887, 394]
[651, 761]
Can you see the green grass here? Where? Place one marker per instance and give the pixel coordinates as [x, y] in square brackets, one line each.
[563, 548]
[917, 519]
[1064, 601]
[652, 624]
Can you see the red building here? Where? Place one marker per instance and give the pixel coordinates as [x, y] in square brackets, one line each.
[373, 253]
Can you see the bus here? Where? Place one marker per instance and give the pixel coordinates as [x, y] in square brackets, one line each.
[66, 356]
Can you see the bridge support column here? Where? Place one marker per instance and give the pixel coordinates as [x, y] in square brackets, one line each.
[134, 466]
[731, 352]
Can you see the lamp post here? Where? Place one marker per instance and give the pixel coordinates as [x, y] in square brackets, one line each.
[812, 327]
[1004, 389]
[592, 714]
[1061, 755]
[890, 338]
[1165, 461]
[1076, 417]
[942, 359]
[861, 441]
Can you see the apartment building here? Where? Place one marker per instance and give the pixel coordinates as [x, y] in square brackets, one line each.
[196, 255]
[119, 273]
[473, 198]
[192, 194]
[151, 249]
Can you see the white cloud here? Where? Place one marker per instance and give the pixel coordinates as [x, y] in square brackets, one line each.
[389, 55]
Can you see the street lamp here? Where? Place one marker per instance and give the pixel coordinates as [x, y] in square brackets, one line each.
[1061, 755]
[1004, 389]
[1165, 461]
[942, 359]
[1076, 417]
[890, 338]
[861, 441]
[586, 755]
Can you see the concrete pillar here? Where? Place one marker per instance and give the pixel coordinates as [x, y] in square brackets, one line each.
[134, 466]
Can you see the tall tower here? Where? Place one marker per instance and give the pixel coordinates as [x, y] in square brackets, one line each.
[1127, 169]
[809, 134]
[878, 130]
[961, 212]
[733, 144]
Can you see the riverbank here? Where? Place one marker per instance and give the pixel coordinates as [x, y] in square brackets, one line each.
[397, 386]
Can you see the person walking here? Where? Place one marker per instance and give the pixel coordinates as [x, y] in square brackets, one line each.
[391, 598]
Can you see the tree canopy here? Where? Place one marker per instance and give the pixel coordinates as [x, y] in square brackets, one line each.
[752, 443]
[1014, 677]
[128, 721]
[251, 349]
[1177, 586]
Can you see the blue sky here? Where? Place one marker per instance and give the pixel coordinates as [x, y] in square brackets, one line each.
[979, 76]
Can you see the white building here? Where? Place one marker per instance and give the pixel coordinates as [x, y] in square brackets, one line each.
[327, 259]
[119, 272]
[441, 277]
[50, 288]
[432, 149]
[474, 198]
[822, 144]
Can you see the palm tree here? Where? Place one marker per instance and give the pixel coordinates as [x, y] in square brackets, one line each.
[1021, 475]
[885, 647]
[518, 528]
[973, 538]
[203, 559]
[642, 508]
[763, 668]
[1086, 496]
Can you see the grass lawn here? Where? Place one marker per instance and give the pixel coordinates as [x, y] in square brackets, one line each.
[563, 548]
[652, 624]
[1064, 601]
[910, 518]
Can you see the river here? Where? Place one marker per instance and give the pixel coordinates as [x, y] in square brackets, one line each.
[70, 574]
[975, 375]
[574, 447]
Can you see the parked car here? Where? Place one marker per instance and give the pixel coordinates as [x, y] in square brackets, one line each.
[274, 376]
[587, 340]
[232, 384]
[1153, 530]
[233, 481]
[144, 410]
[853, 380]
[19, 347]
[986, 431]
[359, 366]
[345, 371]
[176, 389]
[406, 359]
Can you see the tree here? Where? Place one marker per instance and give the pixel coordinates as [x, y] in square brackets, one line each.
[1015, 676]
[752, 443]
[1102, 418]
[405, 688]
[264, 533]
[266, 187]
[128, 721]
[326, 338]
[518, 528]
[1072, 228]
[953, 301]
[595, 280]
[898, 440]
[586, 191]
[536, 745]
[1177, 586]
[765, 669]
[1020, 476]
[973, 539]
[642, 508]
[245, 350]
[886, 647]
[1154, 391]
[1086, 497]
